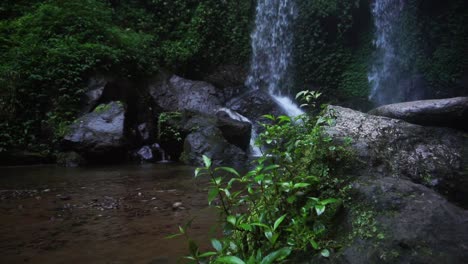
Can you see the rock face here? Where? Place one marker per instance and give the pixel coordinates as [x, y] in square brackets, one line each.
[408, 192]
[99, 134]
[207, 139]
[435, 157]
[416, 225]
[177, 94]
[228, 76]
[452, 112]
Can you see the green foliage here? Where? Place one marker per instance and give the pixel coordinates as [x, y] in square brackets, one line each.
[168, 127]
[328, 35]
[49, 48]
[285, 204]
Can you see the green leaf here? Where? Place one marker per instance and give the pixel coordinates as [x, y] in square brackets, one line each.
[276, 255]
[246, 227]
[212, 193]
[198, 172]
[278, 222]
[328, 201]
[314, 244]
[232, 219]
[193, 247]
[207, 161]
[216, 244]
[325, 253]
[230, 170]
[320, 208]
[301, 185]
[230, 260]
[269, 117]
[207, 254]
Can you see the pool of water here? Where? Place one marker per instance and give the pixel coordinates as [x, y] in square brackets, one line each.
[117, 214]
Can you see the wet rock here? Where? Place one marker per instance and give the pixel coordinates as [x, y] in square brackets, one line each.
[435, 157]
[236, 129]
[255, 104]
[173, 93]
[414, 223]
[99, 135]
[177, 205]
[70, 159]
[144, 132]
[207, 139]
[145, 153]
[451, 112]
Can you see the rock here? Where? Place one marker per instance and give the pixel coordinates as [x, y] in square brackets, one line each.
[144, 132]
[70, 159]
[236, 129]
[207, 139]
[401, 222]
[452, 112]
[177, 94]
[255, 104]
[99, 134]
[435, 157]
[145, 153]
[177, 205]
[94, 92]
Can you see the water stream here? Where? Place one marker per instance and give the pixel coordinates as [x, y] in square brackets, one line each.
[385, 73]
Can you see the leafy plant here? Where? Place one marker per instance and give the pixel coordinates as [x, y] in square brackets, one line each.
[284, 204]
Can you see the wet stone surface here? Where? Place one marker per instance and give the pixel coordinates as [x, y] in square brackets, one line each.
[100, 215]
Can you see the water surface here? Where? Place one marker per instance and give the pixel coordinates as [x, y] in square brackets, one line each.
[118, 214]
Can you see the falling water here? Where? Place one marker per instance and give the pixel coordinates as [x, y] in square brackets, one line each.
[272, 51]
[385, 73]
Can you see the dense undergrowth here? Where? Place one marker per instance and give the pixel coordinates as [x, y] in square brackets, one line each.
[286, 204]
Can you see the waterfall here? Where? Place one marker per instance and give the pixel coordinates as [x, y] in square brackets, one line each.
[272, 42]
[386, 72]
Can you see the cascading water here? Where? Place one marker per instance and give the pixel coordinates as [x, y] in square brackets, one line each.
[272, 42]
[272, 54]
[386, 72]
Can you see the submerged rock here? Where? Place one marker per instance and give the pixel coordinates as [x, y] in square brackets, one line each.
[70, 159]
[435, 157]
[451, 112]
[99, 134]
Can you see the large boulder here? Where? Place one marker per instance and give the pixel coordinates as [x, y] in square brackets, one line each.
[435, 157]
[255, 104]
[236, 128]
[451, 112]
[174, 93]
[397, 221]
[207, 139]
[99, 135]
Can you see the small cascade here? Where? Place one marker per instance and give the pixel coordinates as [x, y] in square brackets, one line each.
[385, 73]
[272, 42]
